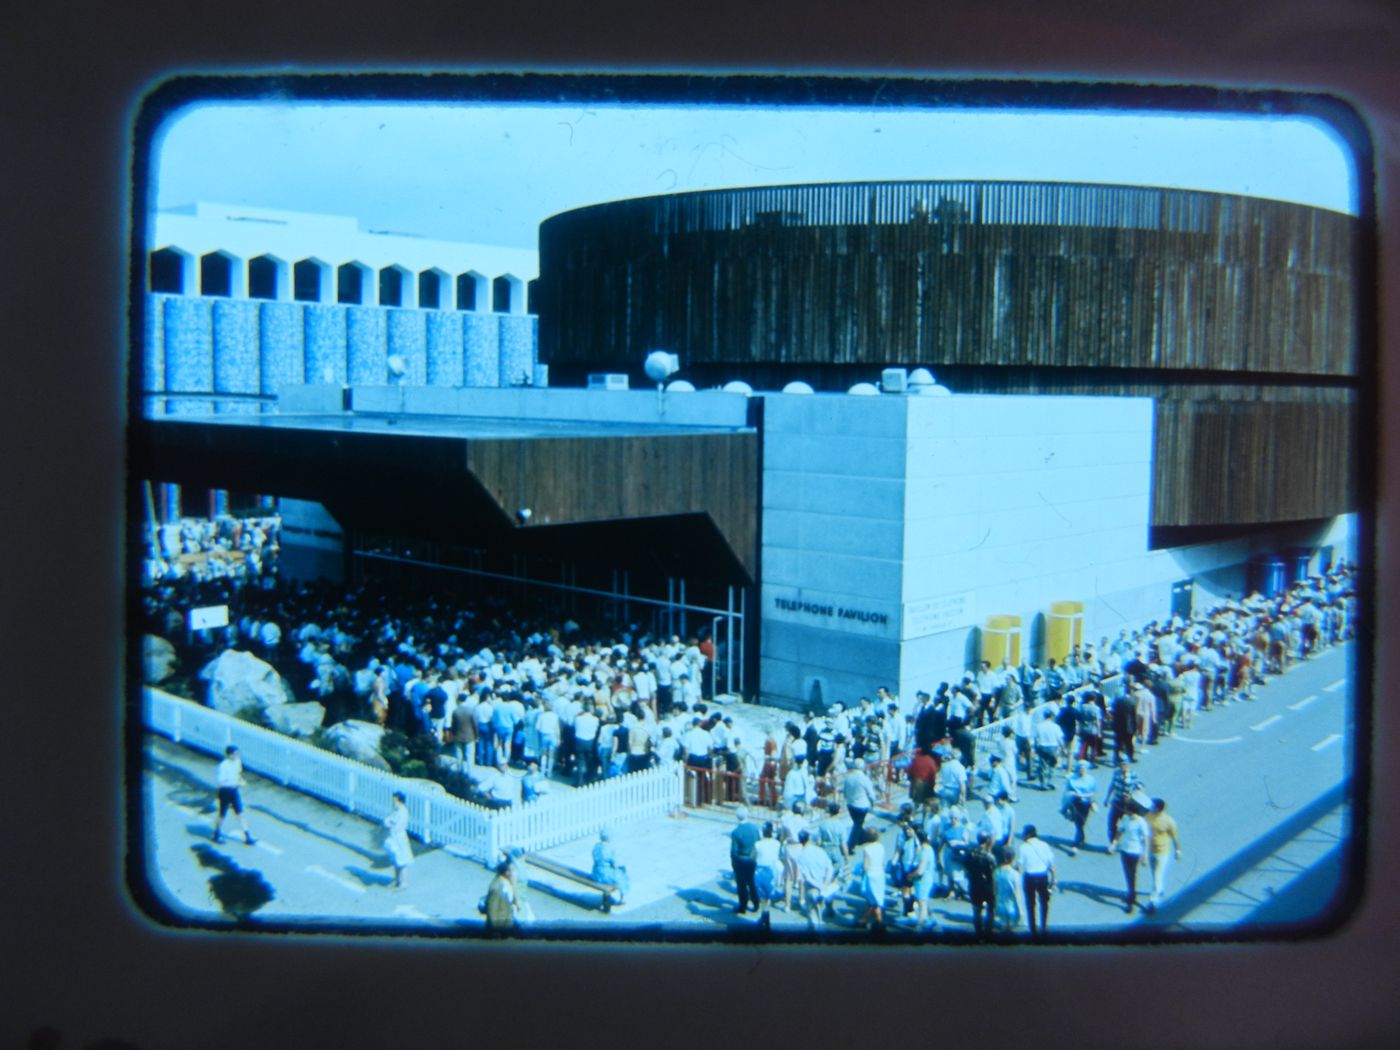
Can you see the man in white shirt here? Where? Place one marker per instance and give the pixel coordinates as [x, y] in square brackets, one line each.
[229, 779]
[1037, 863]
[1049, 742]
[586, 727]
[817, 876]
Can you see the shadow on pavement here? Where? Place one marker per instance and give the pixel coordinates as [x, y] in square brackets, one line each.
[369, 853]
[369, 878]
[1096, 893]
[589, 901]
[705, 904]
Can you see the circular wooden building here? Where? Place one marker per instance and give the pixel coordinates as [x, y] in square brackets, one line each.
[1235, 314]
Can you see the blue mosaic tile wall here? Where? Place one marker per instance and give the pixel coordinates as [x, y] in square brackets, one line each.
[153, 361]
[408, 336]
[236, 349]
[517, 350]
[189, 344]
[367, 347]
[481, 347]
[282, 355]
[325, 344]
[196, 343]
[444, 349]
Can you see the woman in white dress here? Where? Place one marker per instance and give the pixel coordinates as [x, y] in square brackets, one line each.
[870, 867]
[396, 837]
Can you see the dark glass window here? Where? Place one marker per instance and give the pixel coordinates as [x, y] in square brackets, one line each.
[306, 282]
[466, 292]
[167, 272]
[390, 287]
[500, 295]
[349, 284]
[429, 290]
[215, 274]
[262, 278]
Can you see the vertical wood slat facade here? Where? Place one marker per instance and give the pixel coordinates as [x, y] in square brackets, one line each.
[1002, 284]
[1201, 280]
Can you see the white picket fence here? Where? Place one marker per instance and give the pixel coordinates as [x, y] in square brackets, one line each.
[434, 816]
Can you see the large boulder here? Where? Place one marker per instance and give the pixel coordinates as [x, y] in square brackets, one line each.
[158, 659]
[358, 740]
[238, 680]
[295, 719]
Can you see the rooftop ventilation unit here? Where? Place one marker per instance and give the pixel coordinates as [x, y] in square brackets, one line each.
[798, 387]
[864, 390]
[894, 380]
[738, 386]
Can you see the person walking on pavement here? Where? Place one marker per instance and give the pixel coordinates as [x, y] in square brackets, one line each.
[1130, 844]
[1037, 878]
[744, 860]
[1124, 726]
[1165, 845]
[860, 794]
[1007, 906]
[500, 903]
[1120, 790]
[396, 838]
[1078, 801]
[229, 781]
[870, 868]
[1049, 742]
[981, 866]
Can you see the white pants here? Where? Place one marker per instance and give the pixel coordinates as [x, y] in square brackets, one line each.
[1161, 863]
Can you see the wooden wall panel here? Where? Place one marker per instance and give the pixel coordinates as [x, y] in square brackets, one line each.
[576, 480]
[957, 273]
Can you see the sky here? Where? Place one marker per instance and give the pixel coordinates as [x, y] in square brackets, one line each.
[490, 173]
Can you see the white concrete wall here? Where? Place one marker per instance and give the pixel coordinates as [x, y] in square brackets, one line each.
[1013, 503]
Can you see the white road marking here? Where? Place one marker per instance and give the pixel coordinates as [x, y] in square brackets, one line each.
[410, 911]
[1327, 741]
[1334, 686]
[1302, 703]
[1197, 740]
[277, 850]
[316, 869]
[1260, 726]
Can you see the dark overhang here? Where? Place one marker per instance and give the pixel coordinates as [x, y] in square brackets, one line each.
[466, 480]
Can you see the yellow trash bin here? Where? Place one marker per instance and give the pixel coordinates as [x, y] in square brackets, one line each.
[1064, 629]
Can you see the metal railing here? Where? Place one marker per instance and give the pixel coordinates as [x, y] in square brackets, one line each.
[435, 817]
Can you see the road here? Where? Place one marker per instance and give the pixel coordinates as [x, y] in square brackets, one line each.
[1258, 790]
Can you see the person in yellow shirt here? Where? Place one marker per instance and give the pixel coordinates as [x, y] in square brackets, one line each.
[1165, 845]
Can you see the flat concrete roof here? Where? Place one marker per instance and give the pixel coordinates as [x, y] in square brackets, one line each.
[433, 425]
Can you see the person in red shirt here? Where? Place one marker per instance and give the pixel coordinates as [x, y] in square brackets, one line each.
[923, 771]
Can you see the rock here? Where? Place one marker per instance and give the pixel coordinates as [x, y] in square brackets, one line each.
[158, 659]
[358, 740]
[295, 719]
[238, 680]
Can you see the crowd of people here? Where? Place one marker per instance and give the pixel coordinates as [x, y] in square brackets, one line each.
[201, 549]
[956, 836]
[486, 686]
[490, 687]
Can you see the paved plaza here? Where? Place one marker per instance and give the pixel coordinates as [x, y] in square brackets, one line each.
[1258, 789]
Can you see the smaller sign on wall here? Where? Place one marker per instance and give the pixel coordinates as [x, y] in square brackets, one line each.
[934, 615]
[209, 616]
